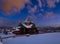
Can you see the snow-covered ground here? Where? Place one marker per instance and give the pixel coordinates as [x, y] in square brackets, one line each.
[1, 43]
[48, 38]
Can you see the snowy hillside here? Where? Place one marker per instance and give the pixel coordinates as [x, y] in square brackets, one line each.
[48, 38]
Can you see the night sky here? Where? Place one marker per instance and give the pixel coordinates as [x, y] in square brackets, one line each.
[41, 12]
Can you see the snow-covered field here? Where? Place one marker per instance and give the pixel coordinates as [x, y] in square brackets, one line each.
[48, 38]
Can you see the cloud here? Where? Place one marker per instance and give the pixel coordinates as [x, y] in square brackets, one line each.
[57, 1]
[7, 22]
[40, 3]
[3, 21]
[51, 3]
[32, 9]
[12, 12]
[13, 6]
[49, 15]
[17, 3]
[40, 15]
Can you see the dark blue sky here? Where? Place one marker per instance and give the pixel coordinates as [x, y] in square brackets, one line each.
[41, 13]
